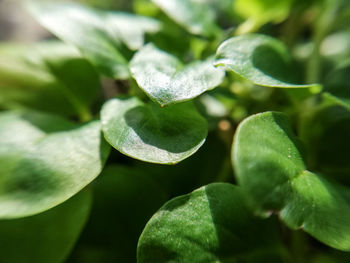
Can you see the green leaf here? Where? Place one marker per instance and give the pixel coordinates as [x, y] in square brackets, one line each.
[150, 133]
[47, 237]
[98, 35]
[261, 59]
[259, 12]
[198, 18]
[269, 164]
[165, 80]
[44, 160]
[49, 76]
[211, 224]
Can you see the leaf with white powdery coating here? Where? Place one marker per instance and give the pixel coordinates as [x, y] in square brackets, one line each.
[98, 35]
[44, 160]
[211, 224]
[261, 59]
[153, 134]
[166, 81]
[269, 165]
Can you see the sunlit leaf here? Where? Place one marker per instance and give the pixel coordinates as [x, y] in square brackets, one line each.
[259, 58]
[165, 80]
[151, 133]
[211, 224]
[98, 35]
[269, 163]
[46, 237]
[44, 160]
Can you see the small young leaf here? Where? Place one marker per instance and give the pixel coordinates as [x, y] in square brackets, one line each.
[44, 160]
[46, 237]
[261, 59]
[49, 76]
[166, 81]
[269, 164]
[97, 34]
[211, 224]
[153, 134]
[198, 18]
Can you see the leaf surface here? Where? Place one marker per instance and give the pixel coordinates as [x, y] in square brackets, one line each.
[263, 11]
[261, 59]
[150, 133]
[165, 80]
[269, 163]
[44, 160]
[49, 76]
[211, 224]
[46, 237]
[198, 18]
[98, 35]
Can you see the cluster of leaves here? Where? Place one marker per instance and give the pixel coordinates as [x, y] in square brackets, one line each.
[176, 80]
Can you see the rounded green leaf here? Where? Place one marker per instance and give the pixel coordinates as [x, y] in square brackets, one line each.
[45, 76]
[98, 35]
[44, 160]
[196, 17]
[46, 237]
[269, 164]
[153, 134]
[165, 80]
[211, 224]
[259, 58]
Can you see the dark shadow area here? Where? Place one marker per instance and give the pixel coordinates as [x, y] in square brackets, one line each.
[125, 198]
[166, 128]
[266, 59]
[240, 234]
[338, 82]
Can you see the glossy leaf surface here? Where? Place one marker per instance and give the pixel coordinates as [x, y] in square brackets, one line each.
[49, 76]
[98, 35]
[259, 58]
[150, 133]
[46, 237]
[269, 164]
[196, 17]
[44, 160]
[165, 80]
[211, 224]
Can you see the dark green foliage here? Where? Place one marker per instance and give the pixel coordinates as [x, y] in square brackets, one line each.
[245, 101]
